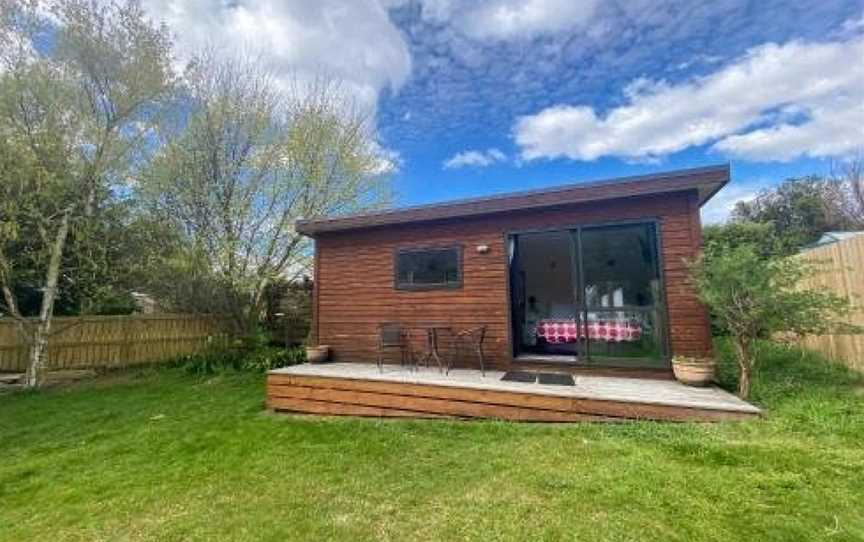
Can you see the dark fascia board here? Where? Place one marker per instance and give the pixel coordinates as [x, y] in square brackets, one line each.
[706, 180]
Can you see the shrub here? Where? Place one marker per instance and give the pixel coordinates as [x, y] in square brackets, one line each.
[754, 296]
[213, 359]
[264, 359]
[241, 357]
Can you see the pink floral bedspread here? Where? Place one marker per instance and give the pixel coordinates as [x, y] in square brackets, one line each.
[561, 331]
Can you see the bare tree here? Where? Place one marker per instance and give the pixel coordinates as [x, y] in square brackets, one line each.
[850, 175]
[250, 158]
[74, 120]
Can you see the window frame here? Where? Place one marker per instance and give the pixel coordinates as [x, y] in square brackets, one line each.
[405, 286]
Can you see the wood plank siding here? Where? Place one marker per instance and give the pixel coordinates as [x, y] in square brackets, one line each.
[354, 287]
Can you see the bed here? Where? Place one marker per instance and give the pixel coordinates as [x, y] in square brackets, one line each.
[565, 330]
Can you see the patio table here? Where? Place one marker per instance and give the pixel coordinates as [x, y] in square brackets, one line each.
[433, 332]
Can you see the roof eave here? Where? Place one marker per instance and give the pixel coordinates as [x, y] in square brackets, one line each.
[706, 180]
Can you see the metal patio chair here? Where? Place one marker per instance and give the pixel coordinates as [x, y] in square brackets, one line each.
[468, 341]
[392, 336]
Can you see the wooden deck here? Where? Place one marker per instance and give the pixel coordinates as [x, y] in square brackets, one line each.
[357, 389]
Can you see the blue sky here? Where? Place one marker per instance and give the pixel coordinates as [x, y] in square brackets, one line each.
[488, 96]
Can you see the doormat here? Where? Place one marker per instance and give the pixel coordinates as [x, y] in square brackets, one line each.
[555, 379]
[519, 376]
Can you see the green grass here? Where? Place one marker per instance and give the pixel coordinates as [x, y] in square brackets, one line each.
[161, 455]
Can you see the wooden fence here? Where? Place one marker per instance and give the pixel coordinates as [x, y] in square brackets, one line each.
[111, 341]
[844, 275]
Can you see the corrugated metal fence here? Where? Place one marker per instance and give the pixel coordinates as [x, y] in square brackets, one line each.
[844, 275]
[111, 341]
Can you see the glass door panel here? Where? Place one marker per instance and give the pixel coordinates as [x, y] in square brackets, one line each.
[621, 295]
[544, 277]
[625, 338]
[591, 294]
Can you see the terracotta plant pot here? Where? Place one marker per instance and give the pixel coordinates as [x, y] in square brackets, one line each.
[694, 371]
[317, 354]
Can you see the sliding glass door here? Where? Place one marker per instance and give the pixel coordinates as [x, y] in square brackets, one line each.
[622, 295]
[590, 294]
[546, 319]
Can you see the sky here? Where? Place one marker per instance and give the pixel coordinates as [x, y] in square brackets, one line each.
[477, 97]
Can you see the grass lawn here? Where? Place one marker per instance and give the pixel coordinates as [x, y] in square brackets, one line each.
[162, 455]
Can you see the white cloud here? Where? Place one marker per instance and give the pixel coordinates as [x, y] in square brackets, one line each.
[496, 155]
[475, 159]
[720, 207]
[505, 19]
[777, 102]
[833, 130]
[853, 25]
[511, 19]
[353, 41]
[387, 161]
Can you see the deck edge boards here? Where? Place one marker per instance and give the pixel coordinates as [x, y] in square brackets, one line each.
[745, 408]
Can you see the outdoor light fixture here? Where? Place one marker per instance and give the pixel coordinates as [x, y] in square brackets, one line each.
[482, 249]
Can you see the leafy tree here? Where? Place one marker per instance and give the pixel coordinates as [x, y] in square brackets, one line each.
[755, 296]
[104, 261]
[75, 115]
[248, 161]
[800, 210]
[718, 238]
[100, 277]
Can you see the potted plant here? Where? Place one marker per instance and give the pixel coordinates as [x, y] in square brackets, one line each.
[694, 371]
[317, 354]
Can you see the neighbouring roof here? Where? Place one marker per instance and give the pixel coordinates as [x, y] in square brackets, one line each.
[830, 237]
[705, 180]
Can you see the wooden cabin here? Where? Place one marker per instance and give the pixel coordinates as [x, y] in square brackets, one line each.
[579, 288]
[588, 275]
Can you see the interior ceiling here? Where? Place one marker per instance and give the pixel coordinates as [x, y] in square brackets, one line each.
[614, 253]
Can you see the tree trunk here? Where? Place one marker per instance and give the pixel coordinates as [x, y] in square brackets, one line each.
[253, 319]
[37, 351]
[39, 342]
[745, 364]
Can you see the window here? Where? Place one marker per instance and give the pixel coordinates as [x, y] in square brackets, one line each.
[621, 266]
[428, 268]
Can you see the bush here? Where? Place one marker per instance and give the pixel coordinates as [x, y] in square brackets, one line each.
[264, 359]
[219, 358]
[213, 359]
[754, 296]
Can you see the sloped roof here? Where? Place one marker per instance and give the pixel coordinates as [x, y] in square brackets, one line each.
[830, 237]
[705, 180]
